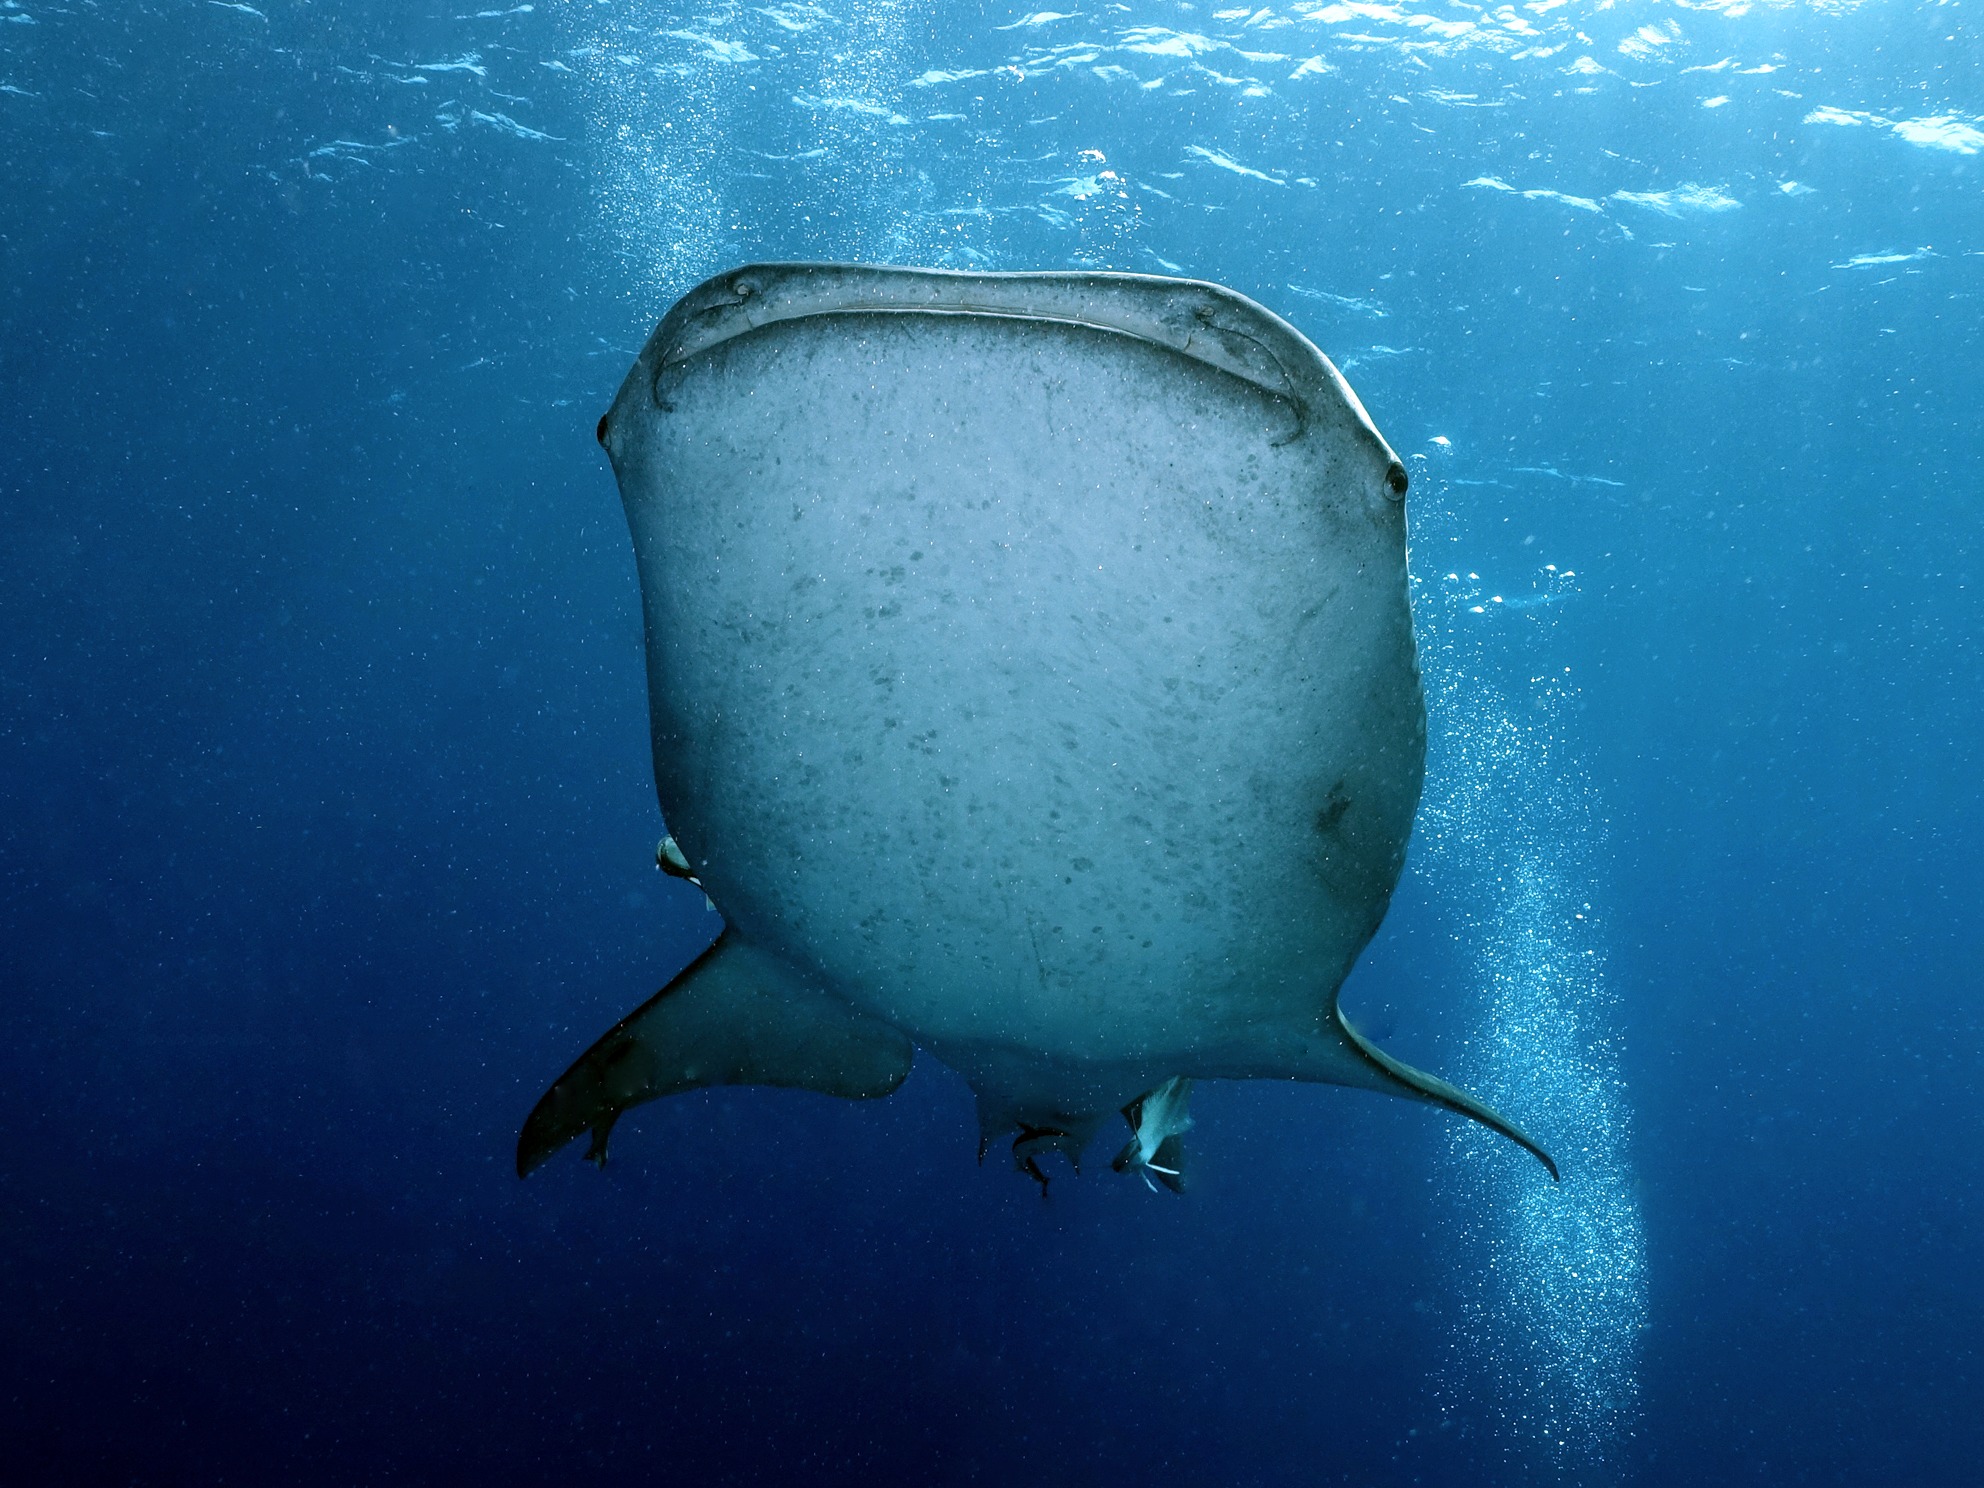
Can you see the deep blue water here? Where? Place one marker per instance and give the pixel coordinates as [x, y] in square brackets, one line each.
[326, 819]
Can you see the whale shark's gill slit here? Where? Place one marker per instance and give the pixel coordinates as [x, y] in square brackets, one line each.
[1552, 1277]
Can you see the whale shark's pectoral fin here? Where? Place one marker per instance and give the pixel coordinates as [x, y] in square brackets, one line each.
[1401, 1078]
[735, 1016]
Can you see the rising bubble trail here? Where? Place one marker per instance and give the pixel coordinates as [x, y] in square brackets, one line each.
[1552, 1275]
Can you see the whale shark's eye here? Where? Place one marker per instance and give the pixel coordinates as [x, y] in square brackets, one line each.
[600, 432]
[1395, 477]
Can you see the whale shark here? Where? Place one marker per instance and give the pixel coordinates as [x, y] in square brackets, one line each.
[1032, 682]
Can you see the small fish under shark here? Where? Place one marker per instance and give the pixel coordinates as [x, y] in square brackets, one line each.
[1031, 681]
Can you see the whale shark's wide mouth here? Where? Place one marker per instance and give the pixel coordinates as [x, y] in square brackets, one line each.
[1205, 322]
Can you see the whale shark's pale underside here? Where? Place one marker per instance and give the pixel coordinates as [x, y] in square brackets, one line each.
[1032, 681]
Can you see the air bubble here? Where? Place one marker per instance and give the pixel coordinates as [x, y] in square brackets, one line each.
[1552, 1277]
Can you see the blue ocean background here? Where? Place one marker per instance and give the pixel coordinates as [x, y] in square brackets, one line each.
[326, 818]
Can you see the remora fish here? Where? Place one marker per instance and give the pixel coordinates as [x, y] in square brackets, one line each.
[1032, 680]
